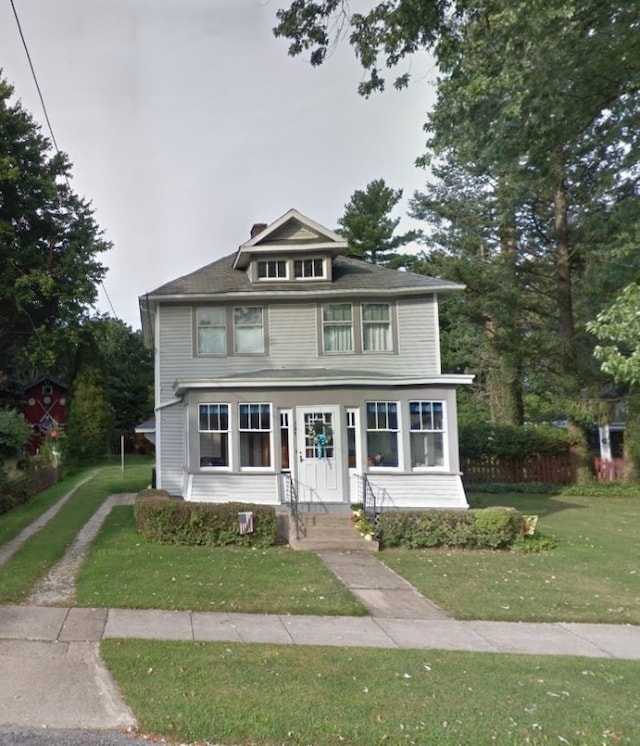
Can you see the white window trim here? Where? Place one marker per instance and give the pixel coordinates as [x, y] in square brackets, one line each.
[279, 278]
[228, 431]
[308, 278]
[399, 437]
[262, 469]
[445, 438]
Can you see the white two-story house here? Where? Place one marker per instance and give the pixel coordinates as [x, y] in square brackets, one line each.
[287, 365]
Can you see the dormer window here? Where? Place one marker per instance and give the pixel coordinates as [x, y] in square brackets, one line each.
[272, 269]
[304, 269]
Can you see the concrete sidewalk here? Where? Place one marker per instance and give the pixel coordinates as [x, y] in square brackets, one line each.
[74, 625]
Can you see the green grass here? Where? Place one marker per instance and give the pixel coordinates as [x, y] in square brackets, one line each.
[18, 518]
[268, 695]
[44, 549]
[592, 576]
[125, 571]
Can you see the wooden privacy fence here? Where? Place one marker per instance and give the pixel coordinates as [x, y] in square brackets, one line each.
[609, 470]
[544, 469]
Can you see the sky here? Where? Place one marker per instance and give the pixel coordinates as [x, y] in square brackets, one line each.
[187, 122]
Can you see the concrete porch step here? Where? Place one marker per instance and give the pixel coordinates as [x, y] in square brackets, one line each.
[326, 531]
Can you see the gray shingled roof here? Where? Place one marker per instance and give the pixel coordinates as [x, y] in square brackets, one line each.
[349, 274]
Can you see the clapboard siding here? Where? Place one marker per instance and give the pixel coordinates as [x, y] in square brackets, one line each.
[418, 491]
[171, 459]
[418, 337]
[259, 489]
[293, 343]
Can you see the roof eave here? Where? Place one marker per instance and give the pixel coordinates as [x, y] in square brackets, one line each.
[454, 379]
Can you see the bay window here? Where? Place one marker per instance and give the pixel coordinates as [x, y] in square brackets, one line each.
[213, 428]
[427, 433]
[382, 433]
[255, 434]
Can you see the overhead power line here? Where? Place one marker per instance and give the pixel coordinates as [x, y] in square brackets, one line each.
[48, 121]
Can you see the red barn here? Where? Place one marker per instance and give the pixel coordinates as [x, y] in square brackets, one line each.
[45, 408]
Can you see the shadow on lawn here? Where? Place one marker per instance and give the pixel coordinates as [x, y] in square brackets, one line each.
[542, 505]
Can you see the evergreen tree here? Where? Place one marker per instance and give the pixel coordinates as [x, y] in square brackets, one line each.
[369, 229]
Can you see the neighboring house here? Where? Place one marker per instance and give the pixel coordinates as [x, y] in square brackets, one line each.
[45, 408]
[287, 365]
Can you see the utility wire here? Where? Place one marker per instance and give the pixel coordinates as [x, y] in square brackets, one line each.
[48, 121]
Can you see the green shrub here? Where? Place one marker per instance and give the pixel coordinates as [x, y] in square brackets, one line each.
[533, 544]
[483, 440]
[494, 528]
[166, 520]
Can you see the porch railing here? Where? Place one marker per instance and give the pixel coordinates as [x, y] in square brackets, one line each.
[291, 499]
[367, 496]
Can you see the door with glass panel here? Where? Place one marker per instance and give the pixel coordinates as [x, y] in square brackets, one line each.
[319, 459]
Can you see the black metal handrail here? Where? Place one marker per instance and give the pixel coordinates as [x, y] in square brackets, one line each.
[368, 497]
[291, 497]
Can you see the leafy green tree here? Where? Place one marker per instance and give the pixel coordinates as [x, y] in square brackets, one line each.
[618, 329]
[128, 369]
[48, 242]
[369, 229]
[89, 429]
[14, 433]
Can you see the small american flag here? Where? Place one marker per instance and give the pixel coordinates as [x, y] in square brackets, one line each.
[245, 522]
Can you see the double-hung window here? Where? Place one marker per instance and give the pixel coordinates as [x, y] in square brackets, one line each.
[376, 327]
[211, 333]
[272, 269]
[427, 433]
[213, 427]
[337, 327]
[308, 269]
[248, 329]
[382, 433]
[255, 434]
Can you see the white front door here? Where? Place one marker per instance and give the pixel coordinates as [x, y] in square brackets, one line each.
[319, 457]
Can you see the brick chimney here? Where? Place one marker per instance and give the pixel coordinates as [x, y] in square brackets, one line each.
[257, 228]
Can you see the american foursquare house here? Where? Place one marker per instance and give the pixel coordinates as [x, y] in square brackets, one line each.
[289, 366]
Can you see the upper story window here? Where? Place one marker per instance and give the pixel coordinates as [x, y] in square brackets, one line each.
[427, 433]
[248, 329]
[337, 327]
[272, 269]
[308, 269]
[211, 332]
[376, 327]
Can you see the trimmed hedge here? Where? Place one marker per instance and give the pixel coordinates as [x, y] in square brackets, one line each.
[487, 528]
[166, 520]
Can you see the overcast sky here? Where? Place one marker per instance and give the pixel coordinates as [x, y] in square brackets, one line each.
[186, 122]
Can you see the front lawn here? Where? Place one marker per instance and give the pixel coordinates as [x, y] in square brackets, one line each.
[40, 552]
[124, 570]
[280, 695]
[592, 576]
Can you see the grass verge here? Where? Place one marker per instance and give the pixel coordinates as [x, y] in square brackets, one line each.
[592, 576]
[267, 694]
[125, 571]
[45, 548]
